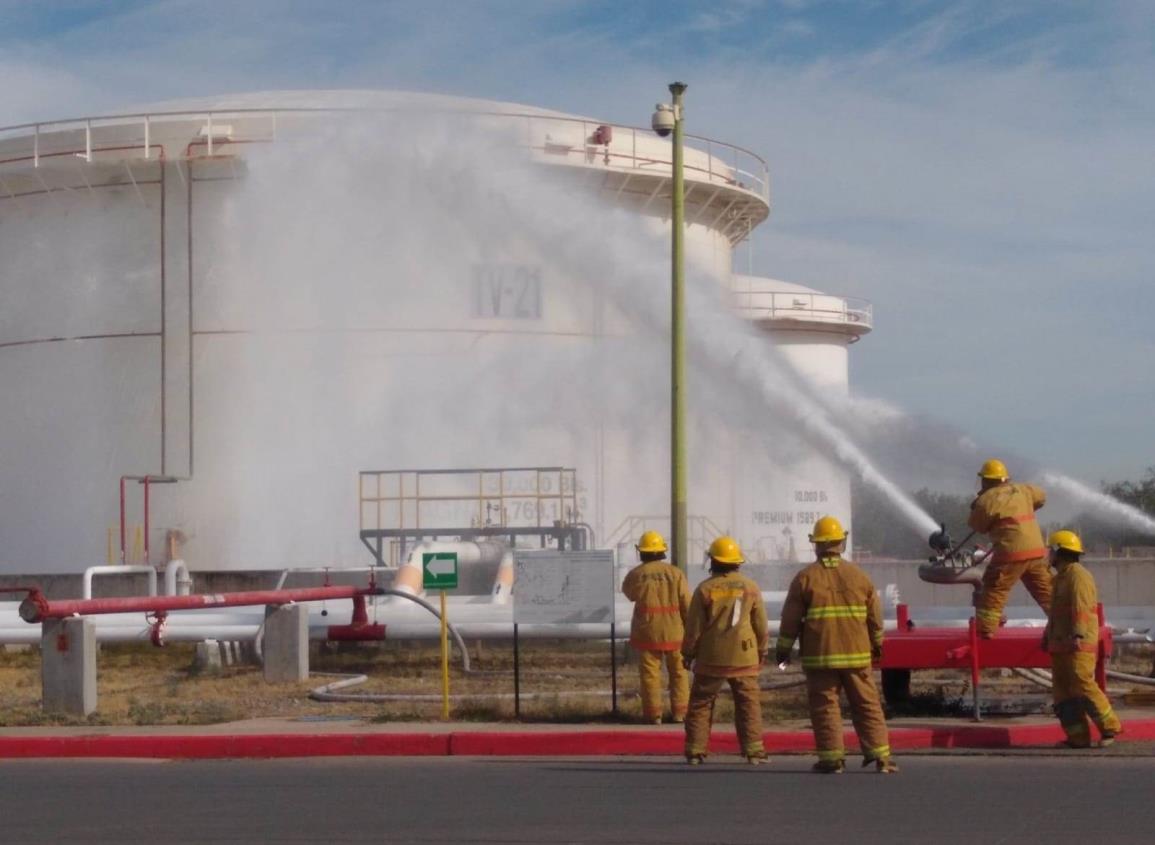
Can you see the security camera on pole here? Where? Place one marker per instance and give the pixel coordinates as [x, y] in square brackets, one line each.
[667, 120]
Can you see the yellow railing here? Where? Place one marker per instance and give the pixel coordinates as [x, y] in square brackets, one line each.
[468, 498]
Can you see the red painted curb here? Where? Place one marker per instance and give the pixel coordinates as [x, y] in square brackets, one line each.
[513, 743]
[227, 746]
[566, 743]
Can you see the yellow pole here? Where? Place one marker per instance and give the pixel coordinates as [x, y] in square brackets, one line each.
[444, 662]
[678, 525]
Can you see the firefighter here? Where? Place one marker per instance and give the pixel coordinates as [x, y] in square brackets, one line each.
[1072, 638]
[1005, 511]
[661, 598]
[832, 606]
[726, 642]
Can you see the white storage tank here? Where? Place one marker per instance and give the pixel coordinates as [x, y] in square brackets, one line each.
[173, 306]
[814, 331]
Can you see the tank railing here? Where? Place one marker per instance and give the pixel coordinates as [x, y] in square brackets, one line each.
[785, 305]
[747, 172]
[89, 154]
[383, 493]
[724, 164]
[702, 530]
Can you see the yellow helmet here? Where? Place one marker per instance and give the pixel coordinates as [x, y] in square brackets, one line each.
[1067, 540]
[726, 550]
[994, 470]
[827, 530]
[652, 541]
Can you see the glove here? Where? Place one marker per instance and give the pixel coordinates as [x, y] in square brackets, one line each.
[687, 663]
[781, 656]
[876, 653]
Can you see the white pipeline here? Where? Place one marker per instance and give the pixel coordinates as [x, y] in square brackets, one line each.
[177, 581]
[93, 571]
[473, 617]
[503, 583]
[470, 554]
[1143, 680]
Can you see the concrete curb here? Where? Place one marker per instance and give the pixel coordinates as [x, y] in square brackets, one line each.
[513, 743]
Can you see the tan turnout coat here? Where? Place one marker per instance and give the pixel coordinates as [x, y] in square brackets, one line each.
[832, 606]
[661, 599]
[1073, 625]
[726, 627]
[1006, 513]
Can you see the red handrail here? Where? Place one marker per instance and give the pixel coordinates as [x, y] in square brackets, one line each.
[37, 607]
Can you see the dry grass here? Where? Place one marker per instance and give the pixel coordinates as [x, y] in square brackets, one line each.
[562, 682]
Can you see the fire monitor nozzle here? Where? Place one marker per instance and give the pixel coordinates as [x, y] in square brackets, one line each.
[940, 540]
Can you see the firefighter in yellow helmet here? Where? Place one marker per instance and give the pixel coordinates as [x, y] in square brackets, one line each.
[661, 598]
[1072, 638]
[1005, 511]
[832, 606]
[726, 641]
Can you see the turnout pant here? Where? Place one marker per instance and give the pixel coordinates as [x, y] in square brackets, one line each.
[822, 686]
[1000, 578]
[747, 714]
[1077, 697]
[650, 674]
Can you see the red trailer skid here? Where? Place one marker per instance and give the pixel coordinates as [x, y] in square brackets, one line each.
[912, 647]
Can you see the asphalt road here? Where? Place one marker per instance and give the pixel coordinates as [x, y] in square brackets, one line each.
[935, 800]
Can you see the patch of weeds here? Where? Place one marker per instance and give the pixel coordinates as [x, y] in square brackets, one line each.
[399, 716]
[211, 713]
[146, 712]
[479, 710]
[568, 711]
[35, 717]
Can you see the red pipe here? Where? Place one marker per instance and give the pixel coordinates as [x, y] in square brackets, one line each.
[358, 630]
[37, 608]
[355, 633]
[973, 634]
[1105, 648]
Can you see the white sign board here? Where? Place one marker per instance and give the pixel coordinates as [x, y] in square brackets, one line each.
[558, 587]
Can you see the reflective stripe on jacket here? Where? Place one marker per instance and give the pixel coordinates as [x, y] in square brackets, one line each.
[1006, 513]
[661, 599]
[832, 605]
[1074, 621]
[726, 629]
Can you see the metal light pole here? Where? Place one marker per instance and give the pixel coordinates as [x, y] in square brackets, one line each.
[678, 525]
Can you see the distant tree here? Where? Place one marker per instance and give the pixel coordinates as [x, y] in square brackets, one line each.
[1139, 494]
[881, 531]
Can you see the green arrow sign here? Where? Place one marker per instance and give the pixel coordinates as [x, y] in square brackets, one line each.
[439, 570]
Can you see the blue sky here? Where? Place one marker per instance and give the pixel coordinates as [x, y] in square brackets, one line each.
[984, 172]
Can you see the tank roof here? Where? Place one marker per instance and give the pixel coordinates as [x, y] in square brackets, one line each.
[742, 280]
[341, 99]
[788, 305]
[727, 187]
